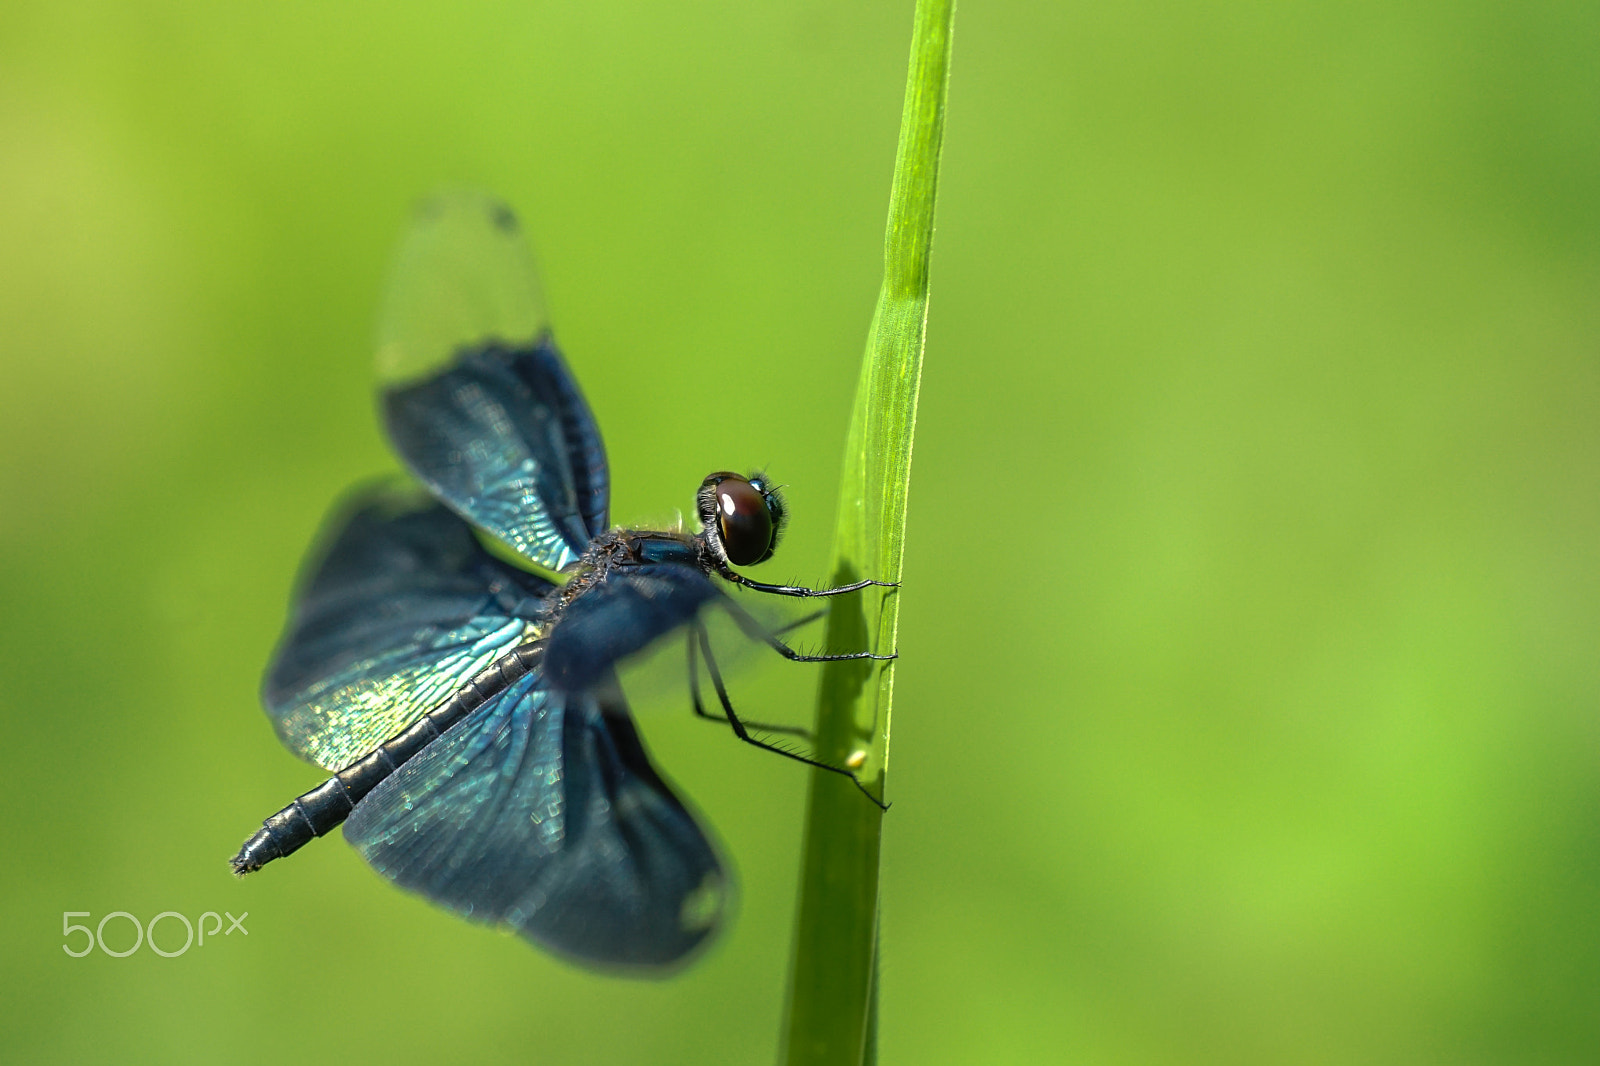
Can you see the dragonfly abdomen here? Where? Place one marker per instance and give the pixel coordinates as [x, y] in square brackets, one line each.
[324, 808]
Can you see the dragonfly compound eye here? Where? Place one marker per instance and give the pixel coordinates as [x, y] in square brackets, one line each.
[744, 521]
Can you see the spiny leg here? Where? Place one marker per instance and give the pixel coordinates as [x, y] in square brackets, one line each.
[740, 731]
[754, 629]
[697, 633]
[798, 590]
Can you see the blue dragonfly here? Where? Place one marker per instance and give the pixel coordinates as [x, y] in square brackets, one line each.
[484, 752]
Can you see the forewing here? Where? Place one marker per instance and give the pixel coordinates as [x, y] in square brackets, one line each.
[541, 812]
[624, 614]
[475, 396]
[397, 608]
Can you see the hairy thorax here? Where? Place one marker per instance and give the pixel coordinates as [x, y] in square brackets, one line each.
[620, 549]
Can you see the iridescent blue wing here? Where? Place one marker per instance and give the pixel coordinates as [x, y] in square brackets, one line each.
[622, 615]
[475, 396]
[540, 811]
[396, 610]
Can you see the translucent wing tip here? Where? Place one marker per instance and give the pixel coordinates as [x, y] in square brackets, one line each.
[463, 277]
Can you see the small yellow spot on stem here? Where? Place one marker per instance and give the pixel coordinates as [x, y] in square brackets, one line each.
[857, 760]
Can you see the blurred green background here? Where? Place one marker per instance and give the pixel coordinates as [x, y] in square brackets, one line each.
[1247, 711]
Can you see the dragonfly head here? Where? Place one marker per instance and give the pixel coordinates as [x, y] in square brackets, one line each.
[741, 517]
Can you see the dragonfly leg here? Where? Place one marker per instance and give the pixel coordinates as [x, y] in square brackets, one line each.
[694, 681]
[756, 631]
[743, 734]
[797, 590]
[697, 633]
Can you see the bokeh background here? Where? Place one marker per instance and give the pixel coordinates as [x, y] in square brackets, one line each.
[1247, 711]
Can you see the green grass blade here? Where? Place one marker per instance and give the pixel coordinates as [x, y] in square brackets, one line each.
[831, 1009]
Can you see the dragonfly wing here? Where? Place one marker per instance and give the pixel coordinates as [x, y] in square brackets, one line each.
[398, 607]
[540, 811]
[476, 397]
[620, 616]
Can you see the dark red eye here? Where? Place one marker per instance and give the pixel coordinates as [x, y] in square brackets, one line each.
[743, 520]
[744, 515]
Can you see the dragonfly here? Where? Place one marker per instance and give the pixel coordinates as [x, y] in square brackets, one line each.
[451, 652]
